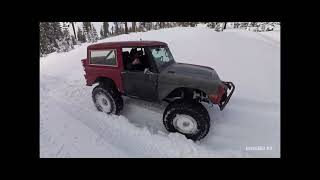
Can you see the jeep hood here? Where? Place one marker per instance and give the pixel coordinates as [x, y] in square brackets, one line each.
[191, 70]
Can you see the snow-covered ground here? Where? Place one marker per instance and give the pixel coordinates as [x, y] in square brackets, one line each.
[70, 125]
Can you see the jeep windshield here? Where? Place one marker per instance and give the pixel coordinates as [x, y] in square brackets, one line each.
[161, 56]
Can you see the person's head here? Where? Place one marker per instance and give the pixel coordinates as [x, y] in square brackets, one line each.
[133, 52]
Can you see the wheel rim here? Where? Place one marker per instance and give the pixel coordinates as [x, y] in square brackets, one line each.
[104, 102]
[185, 124]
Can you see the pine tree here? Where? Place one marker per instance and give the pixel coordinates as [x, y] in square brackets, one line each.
[74, 42]
[80, 35]
[62, 42]
[143, 26]
[134, 26]
[148, 25]
[160, 25]
[211, 24]
[49, 32]
[54, 33]
[243, 25]
[193, 24]
[236, 24]
[67, 37]
[44, 38]
[116, 28]
[120, 29]
[95, 36]
[57, 32]
[175, 24]
[105, 29]
[86, 26]
[125, 28]
[65, 31]
[270, 26]
[219, 27]
[180, 24]
[87, 31]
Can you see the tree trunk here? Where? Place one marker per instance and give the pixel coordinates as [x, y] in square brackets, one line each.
[74, 31]
[225, 25]
[134, 26]
[125, 28]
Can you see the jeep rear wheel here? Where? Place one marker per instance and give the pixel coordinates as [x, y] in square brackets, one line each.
[107, 100]
[187, 117]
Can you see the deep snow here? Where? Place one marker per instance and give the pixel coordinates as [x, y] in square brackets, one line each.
[70, 125]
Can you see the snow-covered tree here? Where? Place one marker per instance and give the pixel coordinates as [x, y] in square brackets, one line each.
[148, 25]
[49, 32]
[193, 24]
[90, 32]
[183, 24]
[65, 30]
[87, 31]
[65, 42]
[236, 25]
[44, 38]
[161, 25]
[74, 42]
[244, 25]
[142, 26]
[211, 24]
[81, 36]
[94, 33]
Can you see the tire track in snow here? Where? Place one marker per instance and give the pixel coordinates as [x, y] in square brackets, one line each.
[138, 142]
[270, 40]
[49, 146]
[146, 126]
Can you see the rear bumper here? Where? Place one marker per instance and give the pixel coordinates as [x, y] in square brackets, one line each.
[226, 97]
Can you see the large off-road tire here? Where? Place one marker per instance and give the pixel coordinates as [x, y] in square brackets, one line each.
[187, 117]
[107, 100]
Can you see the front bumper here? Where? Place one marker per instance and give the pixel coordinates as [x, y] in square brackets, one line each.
[226, 97]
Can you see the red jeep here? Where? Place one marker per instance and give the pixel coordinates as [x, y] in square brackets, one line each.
[148, 71]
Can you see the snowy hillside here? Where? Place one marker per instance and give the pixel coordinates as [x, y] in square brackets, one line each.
[70, 125]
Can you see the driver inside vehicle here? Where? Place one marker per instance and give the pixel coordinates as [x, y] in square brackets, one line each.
[134, 56]
[135, 60]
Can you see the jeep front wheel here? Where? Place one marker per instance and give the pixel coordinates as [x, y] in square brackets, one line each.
[107, 100]
[188, 118]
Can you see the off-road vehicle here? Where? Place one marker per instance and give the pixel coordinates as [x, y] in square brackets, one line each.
[148, 71]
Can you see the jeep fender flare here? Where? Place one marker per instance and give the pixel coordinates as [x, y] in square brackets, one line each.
[106, 82]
